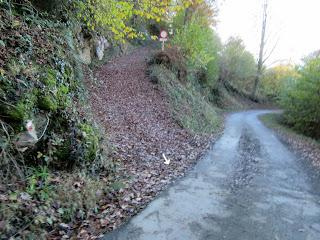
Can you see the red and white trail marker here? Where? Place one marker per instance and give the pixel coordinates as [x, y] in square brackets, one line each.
[163, 38]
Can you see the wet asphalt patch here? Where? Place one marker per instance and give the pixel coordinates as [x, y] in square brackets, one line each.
[250, 186]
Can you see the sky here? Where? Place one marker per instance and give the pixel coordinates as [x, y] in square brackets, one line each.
[293, 26]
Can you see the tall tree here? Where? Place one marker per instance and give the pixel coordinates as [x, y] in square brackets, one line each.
[204, 7]
[237, 65]
[261, 51]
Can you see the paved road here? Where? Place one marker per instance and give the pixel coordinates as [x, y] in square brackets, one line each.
[248, 187]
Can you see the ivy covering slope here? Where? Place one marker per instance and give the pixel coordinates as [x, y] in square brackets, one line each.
[43, 132]
[39, 85]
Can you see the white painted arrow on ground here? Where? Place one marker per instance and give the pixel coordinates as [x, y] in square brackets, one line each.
[166, 161]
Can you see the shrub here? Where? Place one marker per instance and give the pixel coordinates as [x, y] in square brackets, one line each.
[78, 196]
[189, 107]
[38, 183]
[275, 79]
[301, 100]
[172, 59]
[90, 142]
[47, 201]
[198, 43]
[237, 65]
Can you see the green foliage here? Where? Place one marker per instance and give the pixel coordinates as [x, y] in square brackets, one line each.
[38, 82]
[50, 79]
[23, 108]
[189, 107]
[48, 200]
[91, 142]
[212, 74]
[198, 42]
[117, 185]
[237, 65]
[15, 67]
[51, 6]
[301, 100]
[115, 15]
[38, 183]
[275, 79]
[57, 152]
[172, 59]
[48, 103]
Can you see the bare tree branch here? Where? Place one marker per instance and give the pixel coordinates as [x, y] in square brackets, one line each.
[272, 50]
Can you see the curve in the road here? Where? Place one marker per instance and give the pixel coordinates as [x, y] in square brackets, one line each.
[249, 186]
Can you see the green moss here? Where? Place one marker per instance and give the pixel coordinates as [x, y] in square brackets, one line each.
[18, 113]
[59, 97]
[68, 72]
[23, 109]
[48, 102]
[63, 98]
[91, 141]
[70, 78]
[63, 90]
[48, 83]
[51, 78]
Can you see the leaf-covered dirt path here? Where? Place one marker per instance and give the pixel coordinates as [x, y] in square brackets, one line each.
[140, 129]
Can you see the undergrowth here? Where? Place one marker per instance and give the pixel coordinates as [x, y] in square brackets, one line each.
[51, 150]
[277, 122]
[189, 107]
[306, 148]
[39, 89]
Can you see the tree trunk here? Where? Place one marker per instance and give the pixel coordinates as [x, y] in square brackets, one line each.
[262, 45]
[187, 15]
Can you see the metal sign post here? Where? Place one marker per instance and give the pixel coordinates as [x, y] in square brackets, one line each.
[163, 38]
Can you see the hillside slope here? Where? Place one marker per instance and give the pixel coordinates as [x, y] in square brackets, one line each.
[138, 119]
[141, 128]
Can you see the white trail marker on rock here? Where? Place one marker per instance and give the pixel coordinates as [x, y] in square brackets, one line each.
[166, 161]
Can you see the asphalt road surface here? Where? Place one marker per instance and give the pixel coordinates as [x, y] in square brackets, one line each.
[250, 186]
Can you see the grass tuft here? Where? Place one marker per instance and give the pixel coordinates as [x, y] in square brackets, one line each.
[189, 107]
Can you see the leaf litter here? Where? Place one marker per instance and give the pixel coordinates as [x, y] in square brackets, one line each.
[140, 128]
